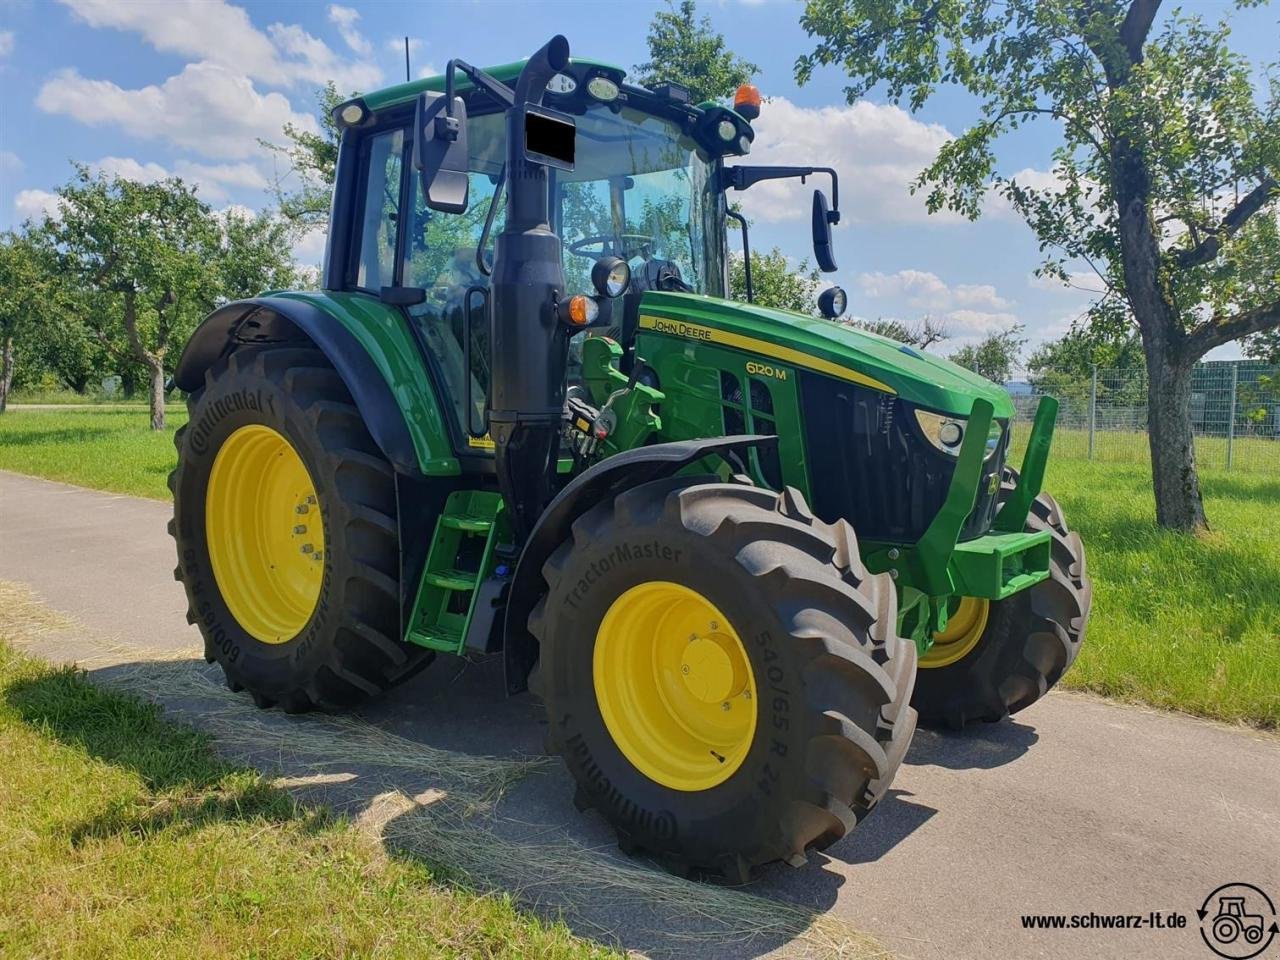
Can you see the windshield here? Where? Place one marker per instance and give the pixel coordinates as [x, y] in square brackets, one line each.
[639, 190]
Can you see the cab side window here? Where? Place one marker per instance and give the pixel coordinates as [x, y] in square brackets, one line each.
[440, 257]
[376, 263]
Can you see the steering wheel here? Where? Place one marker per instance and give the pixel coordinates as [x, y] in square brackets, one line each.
[628, 246]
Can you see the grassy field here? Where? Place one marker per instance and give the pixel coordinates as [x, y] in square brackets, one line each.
[104, 449]
[122, 835]
[1190, 623]
[1248, 454]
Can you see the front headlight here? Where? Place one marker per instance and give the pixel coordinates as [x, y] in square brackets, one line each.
[947, 433]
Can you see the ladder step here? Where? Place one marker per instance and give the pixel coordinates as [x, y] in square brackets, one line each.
[452, 579]
[467, 522]
[437, 637]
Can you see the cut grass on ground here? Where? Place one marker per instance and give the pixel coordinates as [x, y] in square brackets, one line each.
[123, 835]
[1187, 623]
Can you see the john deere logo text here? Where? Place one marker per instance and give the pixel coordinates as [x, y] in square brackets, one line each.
[681, 329]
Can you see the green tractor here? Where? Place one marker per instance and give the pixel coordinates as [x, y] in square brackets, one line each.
[522, 419]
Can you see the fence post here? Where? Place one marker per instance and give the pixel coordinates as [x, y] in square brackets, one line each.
[1231, 423]
[1093, 407]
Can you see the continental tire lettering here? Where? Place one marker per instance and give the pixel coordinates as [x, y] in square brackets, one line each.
[660, 824]
[198, 437]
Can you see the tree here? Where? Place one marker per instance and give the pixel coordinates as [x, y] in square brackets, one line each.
[254, 255]
[994, 356]
[1166, 170]
[775, 281]
[687, 50]
[22, 290]
[922, 334]
[152, 251]
[304, 190]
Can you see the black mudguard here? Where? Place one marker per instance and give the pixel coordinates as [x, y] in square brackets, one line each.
[603, 481]
[279, 320]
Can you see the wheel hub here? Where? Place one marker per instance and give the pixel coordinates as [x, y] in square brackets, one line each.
[265, 533]
[675, 686]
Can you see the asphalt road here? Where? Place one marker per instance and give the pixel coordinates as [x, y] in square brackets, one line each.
[1080, 806]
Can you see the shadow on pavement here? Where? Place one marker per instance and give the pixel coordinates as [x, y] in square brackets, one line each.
[983, 746]
[449, 771]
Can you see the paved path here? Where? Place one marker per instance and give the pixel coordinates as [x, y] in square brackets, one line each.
[1080, 806]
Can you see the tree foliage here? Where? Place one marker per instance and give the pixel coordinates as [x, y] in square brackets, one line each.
[922, 333]
[304, 188]
[1164, 180]
[995, 355]
[776, 281]
[687, 49]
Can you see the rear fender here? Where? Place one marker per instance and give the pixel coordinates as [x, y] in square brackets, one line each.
[604, 481]
[403, 418]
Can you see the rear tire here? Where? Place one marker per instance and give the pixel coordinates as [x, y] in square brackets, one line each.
[818, 632]
[1029, 641]
[348, 648]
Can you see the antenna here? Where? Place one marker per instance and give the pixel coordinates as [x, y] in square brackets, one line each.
[407, 78]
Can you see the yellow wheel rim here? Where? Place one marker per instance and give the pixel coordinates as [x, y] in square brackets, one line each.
[266, 541]
[965, 626]
[675, 686]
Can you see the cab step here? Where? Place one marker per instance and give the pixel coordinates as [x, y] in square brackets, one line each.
[461, 558]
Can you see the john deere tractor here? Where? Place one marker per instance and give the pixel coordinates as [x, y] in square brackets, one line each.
[522, 419]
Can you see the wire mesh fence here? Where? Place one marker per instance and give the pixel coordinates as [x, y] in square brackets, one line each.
[1235, 414]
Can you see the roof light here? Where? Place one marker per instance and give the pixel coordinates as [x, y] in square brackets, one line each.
[727, 130]
[562, 83]
[603, 89]
[352, 113]
[746, 101]
[744, 144]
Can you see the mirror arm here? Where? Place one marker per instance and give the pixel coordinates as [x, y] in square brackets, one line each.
[499, 90]
[741, 177]
[746, 253]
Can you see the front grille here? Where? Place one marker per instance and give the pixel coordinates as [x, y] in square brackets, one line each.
[870, 464]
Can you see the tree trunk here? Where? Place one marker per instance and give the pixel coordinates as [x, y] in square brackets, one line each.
[1173, 458]
[6, 370]
[156, 369]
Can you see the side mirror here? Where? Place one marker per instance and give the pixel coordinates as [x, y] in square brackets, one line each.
[440, 152]
[822, 220]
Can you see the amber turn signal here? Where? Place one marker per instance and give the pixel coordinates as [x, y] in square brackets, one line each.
[746, 101]
[582, 310]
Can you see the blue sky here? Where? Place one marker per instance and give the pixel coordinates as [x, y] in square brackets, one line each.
[187, 87]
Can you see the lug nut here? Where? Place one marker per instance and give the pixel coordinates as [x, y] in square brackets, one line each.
[308, 548]
[300, 528]
[725, 706]
[301, 508]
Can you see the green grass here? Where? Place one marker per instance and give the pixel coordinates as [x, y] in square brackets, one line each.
[123, 835]
[105, 449]
[1248, 454]
[1190, 623]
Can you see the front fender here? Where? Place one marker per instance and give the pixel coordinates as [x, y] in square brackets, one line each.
[604, 481]
[368, 345]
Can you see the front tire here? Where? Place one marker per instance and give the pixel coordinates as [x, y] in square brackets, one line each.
[286, 530]
[722, 676]
[999, 657]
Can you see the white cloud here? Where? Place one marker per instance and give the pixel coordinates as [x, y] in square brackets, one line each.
[962, 323]
[37, 205]
[10, 162]
[206, 108]
[128, 168]
[877, 151]
[6, 42]
[220, 32]
[309, 250]
[928, 291]
[211, 180]
[345, 19]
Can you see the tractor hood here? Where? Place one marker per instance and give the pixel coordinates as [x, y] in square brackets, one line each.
[826, 347]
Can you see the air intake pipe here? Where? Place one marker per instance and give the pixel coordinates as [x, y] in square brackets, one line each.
[529, 346]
